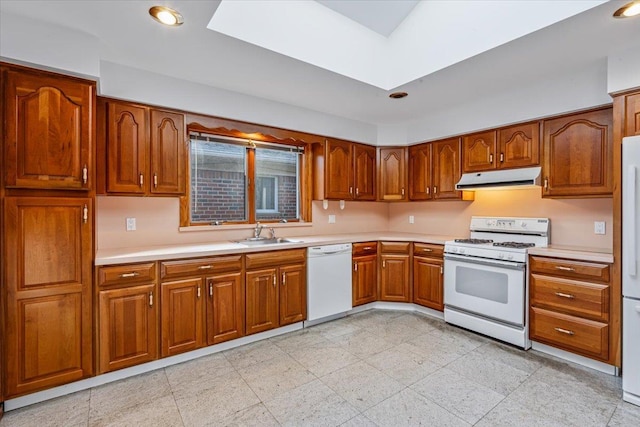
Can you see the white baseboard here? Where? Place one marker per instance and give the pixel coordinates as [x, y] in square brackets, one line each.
[575, 358]
[631, 398]
[398, 306]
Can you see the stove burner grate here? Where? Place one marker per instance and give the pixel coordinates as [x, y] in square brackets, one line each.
[474, 241]
[516, 245]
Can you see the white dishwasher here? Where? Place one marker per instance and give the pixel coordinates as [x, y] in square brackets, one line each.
[328, 282]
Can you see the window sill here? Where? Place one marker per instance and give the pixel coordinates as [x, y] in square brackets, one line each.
[223, 227]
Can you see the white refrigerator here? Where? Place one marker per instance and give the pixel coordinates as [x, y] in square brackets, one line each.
[631, 269]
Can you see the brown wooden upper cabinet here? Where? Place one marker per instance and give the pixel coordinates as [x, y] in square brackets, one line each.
[49, 130]
[578, 155]
[445, 159]
[392, 174]
[510, 147]
[145, 150]
[420, 171]
[344, 171]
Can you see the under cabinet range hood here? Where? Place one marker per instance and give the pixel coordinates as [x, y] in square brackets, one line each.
[520, 178]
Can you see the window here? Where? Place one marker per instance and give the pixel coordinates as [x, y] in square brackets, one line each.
[240, 182]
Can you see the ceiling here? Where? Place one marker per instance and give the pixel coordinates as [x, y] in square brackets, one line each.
[128, 36]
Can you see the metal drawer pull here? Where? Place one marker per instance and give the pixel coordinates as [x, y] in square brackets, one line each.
[133, 274]
[367, 248]
[559, 267]
[427, 250]
[205, 267]
[560, 294]
[564, 331]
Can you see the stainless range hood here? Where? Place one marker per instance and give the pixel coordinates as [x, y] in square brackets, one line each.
[520, 178]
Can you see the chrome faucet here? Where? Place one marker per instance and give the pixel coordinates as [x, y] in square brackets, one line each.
[272, 231]
[257, 230]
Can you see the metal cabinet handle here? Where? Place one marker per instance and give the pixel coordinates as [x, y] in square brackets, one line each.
[427, 190]
[350, 190]
[210, 288]
[357, 191]
[155, 180]
[355, 266]
[402, 191]
[85, 174]
[501, 157]
[559, 267]
[205, 267]
[384, 263]
[435, 189]
[546, 184]
[198, 292]
[132, 274]
[85, 214]
[284, 279]
[564, 331]
[441, 270]
[490, 158]
[274, 280]
[141, 180]
[151, 299]
[562, 295]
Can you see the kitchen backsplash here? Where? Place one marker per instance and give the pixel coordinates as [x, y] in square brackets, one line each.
[157, 219]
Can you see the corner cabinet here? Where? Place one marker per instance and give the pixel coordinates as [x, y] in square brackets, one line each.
[392, 174]
[578, 155]
[48, 130]
[509, 147]
[47, 276]
[344, 171]
[145, 150]
[276, 289]
[395, 271]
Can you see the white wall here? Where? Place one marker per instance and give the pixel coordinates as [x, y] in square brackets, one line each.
[624, 70]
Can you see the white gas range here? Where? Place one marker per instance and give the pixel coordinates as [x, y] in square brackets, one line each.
[485, 276]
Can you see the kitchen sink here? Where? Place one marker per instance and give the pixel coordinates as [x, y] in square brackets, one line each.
[263, 241]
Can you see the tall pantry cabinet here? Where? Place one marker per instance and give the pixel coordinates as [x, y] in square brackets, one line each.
[47, 229]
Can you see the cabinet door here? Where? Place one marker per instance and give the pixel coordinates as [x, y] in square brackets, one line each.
[225, 307]
[632, 114]
[578, 155]
[338, 170]
[365, 283]
[262, 300]
[519, 146]
[182, 320]
[394, 278]
[168, 150]
[128, 327]
[47, 278]
[392, 173]
[49, 131]
[427, 282]
[478, 152]
[126, 148]
[293, 294]
[364, 159]
[420, 172]
[446, 169]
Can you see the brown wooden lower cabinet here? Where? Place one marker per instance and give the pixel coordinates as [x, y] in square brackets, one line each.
[395, 271]
[225, 307]
[46, 292]
[428, 281]
[276, 289]
[182, 316]
[128, 327]
[365, 273]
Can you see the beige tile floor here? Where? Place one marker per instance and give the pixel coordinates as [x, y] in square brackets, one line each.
[377, 368]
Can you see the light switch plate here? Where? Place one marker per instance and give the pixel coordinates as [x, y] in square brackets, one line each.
[332, 219]
[412, 219]
[131, 224]
[599, 227]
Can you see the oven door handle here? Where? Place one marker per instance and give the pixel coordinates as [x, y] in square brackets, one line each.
[491, 263]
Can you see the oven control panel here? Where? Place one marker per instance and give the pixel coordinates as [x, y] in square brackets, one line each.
[539, 226]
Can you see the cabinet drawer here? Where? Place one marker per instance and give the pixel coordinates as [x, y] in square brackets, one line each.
[395, 247]
[272, 258]
[428, 250]
[365, 248]
[567, 268]
[191, 267]
[569, 296]
[124, 274]
[586, 337]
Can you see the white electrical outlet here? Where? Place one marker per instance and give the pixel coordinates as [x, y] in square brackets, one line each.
[131, 224]
[599, 227]
[332, 219]
[412, 219]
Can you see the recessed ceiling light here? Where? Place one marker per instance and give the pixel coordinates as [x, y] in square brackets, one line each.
[398, 95]
[628, 10]
[166, 16]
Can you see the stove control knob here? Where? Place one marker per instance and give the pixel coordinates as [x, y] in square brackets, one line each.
[453, 250]
[523, 224]
[500, 255]
[510, 256]
[461, 250]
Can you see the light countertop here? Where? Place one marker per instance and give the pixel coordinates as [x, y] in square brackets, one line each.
[159, 253]
[574, 252]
